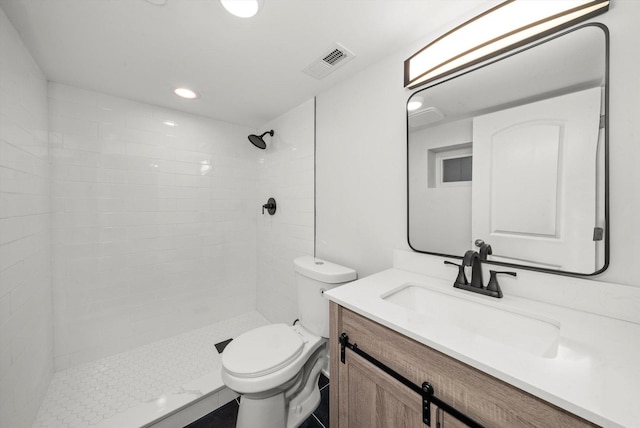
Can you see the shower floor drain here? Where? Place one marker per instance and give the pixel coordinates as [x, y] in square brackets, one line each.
[220, 346]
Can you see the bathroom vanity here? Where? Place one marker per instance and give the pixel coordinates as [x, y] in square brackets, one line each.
[368, 397]
[510, 362]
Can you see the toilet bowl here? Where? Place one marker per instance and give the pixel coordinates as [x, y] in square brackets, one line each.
[276, 367]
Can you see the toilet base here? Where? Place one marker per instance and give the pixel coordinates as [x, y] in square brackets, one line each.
[287, 408]
[262, 412]
[308, 399]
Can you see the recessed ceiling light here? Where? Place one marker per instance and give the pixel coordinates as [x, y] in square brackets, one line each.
[170, 123]
[186, 93]
[414, 104]
[242, 8]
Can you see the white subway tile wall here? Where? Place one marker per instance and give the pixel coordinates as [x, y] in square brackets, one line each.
[151, 217]
[26, 333]
[153, 226]
[286, 174]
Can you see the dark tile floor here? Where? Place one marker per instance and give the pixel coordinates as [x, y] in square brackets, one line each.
[225, 416]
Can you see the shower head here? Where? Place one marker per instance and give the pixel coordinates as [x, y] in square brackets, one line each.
[257, 140]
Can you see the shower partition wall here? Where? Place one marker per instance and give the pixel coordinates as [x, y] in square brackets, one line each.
[286, 172]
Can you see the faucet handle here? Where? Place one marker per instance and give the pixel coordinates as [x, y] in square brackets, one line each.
[484, 249]
[493, 285]
[270, 206]
[461, 278]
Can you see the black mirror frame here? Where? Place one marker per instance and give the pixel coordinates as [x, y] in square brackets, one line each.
[533, 44]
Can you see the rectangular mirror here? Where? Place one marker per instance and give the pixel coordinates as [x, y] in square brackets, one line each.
[513, 153]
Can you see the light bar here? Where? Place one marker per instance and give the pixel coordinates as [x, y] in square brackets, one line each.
[511, 24]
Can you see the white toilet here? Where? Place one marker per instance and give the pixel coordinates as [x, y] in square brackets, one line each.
[276, 367]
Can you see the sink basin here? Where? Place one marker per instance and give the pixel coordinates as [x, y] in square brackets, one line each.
[533, 334]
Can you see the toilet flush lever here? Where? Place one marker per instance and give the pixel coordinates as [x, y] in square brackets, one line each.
[270, 206]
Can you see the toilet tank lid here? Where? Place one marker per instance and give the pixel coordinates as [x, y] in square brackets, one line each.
[324, 271]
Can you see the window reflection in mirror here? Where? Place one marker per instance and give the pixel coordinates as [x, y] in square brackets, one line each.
[513, 153]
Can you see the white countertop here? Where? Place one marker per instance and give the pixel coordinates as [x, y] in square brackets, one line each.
[595, 373]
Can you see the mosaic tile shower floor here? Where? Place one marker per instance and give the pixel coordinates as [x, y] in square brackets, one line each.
[134, 388]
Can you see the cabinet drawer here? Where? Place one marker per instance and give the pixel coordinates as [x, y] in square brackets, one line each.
[484, 398]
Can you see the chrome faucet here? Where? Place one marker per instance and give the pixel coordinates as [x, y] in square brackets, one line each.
[473, 259]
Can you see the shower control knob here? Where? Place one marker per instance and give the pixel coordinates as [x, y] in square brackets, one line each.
[270, 206]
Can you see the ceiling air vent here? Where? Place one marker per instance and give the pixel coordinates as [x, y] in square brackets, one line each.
[424, 117]
[334, 57]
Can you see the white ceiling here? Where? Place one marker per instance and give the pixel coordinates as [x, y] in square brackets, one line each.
[248, 71]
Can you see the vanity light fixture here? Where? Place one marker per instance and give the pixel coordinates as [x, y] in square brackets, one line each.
[186, 93]
[242, 8]
[506, 26]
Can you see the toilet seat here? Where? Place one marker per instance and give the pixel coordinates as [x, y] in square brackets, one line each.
[260, 378]
[262, 351]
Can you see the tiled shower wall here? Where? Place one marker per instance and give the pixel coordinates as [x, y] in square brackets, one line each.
[286, 173]
[154, 222]
[26, 334]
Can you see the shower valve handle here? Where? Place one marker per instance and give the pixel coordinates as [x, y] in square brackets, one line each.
[270, 206]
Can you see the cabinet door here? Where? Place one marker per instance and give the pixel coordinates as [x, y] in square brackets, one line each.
[373, 399]
[445, 420]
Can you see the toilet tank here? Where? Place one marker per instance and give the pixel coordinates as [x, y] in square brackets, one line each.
[313, 278]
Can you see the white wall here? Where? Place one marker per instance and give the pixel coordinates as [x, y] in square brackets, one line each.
[26, 333]
[286, 174]
[154, 226]
[624, 135]
[361, 157]
[361, 169]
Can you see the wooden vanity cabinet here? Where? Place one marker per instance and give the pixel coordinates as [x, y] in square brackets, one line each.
[364, 396]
